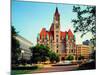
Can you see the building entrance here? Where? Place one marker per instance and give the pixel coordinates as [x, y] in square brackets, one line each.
[63, 58]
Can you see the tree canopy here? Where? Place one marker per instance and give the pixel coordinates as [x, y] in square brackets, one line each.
[39, 53]
[80, 57]
[15, 51]
[86, 19]
[53, 57]
[42, 53]
[70, 57]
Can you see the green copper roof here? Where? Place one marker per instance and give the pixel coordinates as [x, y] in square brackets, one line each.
[66, 36]
[47, 36]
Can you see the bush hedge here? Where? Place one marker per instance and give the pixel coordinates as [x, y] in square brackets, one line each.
[24, 68]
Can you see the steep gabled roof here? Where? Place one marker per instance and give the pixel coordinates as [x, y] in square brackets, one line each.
[62, 34]
[52, 27]
[52, 34]
[70, 33]
[43, 32]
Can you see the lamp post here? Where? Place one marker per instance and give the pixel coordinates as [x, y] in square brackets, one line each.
[22, 51]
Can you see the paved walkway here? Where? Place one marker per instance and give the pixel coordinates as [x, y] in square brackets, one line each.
[56, 69]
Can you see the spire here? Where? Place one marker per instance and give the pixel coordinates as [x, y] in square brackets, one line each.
[57, 12]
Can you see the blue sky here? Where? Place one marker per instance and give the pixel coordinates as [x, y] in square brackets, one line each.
[30, 17]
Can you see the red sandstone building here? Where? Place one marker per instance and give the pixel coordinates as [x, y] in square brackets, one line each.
[60, 42]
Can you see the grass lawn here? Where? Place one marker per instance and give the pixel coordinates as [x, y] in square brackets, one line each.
[24, 70]
[15, 72]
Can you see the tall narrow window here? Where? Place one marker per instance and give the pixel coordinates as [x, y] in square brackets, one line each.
[57, 26]
[56, 40]
[57, 45]
[56, 35]
[57, 51]
[56, 31]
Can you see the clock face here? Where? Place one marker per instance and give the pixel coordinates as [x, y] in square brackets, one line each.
[56, 21]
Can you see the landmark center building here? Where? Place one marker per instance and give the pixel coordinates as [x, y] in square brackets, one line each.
[60, 42]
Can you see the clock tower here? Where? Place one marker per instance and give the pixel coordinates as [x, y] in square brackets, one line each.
[56, 22]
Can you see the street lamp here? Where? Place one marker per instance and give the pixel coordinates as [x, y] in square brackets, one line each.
[22, 51]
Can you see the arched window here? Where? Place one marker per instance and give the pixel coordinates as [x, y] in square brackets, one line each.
[57, 45]
[57, 51]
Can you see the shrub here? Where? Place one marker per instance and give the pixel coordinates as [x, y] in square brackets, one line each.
[53, 57]
[81, 57]
[70, 57]
[24, 68]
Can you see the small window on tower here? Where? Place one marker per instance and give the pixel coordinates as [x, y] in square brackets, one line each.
[56, 40]
[57, 26]
[51, 40]
[72, 51]
[57, 51]
[57, 45]
[56, 31]
[56, 35]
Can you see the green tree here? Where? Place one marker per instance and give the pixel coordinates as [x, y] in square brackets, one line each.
[70, 57]
[93, 55]
[54, 57]
[40, 53]
[15, 51]
[85, 21]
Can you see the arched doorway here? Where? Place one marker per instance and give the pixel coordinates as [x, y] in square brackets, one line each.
[63, 58]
